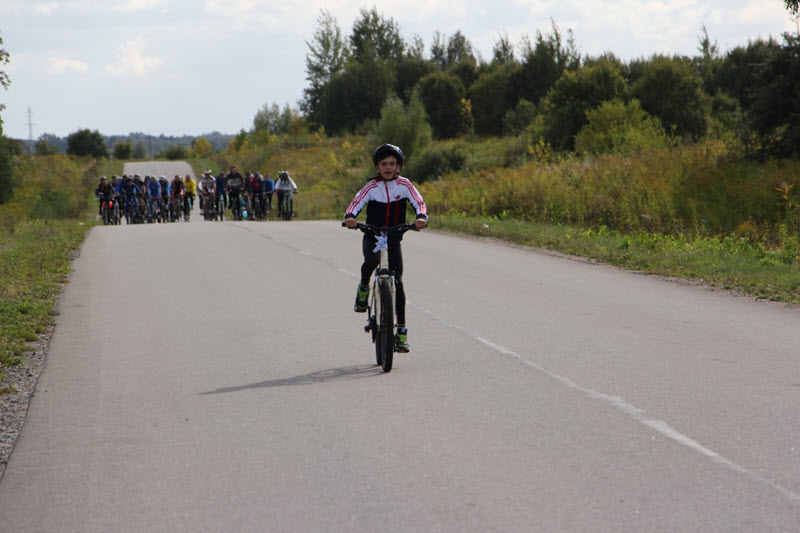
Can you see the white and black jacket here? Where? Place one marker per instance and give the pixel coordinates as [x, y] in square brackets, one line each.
[387, 201]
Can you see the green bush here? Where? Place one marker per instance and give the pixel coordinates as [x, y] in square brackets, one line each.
[437, 161]
[576, 92]
[52, 203]
[620, 128]
[517, 120]
[175, 152]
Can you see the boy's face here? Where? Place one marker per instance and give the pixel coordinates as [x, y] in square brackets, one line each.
[387, 168]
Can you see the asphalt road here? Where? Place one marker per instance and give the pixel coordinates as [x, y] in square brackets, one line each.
[212, 376]
[168, 169]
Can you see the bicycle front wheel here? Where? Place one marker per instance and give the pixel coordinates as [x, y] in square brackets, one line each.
[386, 325]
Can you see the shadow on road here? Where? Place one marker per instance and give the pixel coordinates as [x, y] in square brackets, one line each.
[321, 376]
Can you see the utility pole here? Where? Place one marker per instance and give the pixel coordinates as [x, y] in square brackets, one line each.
[30, 127]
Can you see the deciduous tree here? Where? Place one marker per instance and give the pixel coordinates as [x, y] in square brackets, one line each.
[85, 142]
[374, 35]
[442, 94]
[7, 181]
[404, 125]
[543, 63]
[492, 96]
[123, 150]
[326, 56]
[575, 93]
[669, 89]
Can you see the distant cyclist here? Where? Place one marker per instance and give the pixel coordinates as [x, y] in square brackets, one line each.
[177, 192]
[269, 188]
[208, 188]
[220, 181]
[153, 195]
[285, 186]
[104, 192]
[191, 189]
[234, 184]
[130, 192]
[165, 189]
[257, 188]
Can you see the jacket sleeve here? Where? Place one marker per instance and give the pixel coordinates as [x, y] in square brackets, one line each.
[360, 200]
[415, 198]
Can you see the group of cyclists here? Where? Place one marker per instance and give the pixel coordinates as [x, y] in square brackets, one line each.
[157, 199]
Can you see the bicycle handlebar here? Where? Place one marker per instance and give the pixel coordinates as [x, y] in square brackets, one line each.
[377, 230]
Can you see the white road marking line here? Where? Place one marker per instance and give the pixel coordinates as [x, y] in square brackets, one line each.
[614, 401]
[638, 414]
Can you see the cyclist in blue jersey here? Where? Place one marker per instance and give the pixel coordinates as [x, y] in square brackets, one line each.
[220, 188]
[153, 196]
[130, 192]
[269, 188]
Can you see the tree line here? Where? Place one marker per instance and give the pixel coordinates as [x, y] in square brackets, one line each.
[135, 145]
[544, 86]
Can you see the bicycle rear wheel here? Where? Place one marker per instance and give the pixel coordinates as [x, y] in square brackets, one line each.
[386, 325]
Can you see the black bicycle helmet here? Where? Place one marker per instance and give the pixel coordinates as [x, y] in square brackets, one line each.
[385, 150]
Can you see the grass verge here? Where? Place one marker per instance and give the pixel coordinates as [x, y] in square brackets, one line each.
[34, 264]
[727, 263]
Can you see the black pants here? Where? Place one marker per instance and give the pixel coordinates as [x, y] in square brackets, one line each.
[371, 262]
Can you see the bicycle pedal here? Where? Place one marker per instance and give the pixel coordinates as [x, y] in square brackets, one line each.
[366, 327]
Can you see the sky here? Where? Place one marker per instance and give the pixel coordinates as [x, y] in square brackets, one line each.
[181, 67]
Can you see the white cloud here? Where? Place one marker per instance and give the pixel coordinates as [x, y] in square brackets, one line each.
[49, 7]
[61, 65]
[132, 5]
[132, 62]
[46, 8]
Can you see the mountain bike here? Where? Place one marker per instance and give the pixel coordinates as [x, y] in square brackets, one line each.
[286, 204]
[116, 215]
[380, 309]
[220, 210]
[131, 209]
[187, 207]
[106, 209]
[235, 196]
[153, 209]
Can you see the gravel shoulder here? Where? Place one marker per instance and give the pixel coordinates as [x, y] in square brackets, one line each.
[14, 406]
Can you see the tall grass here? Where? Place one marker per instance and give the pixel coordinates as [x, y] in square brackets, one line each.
[40, 228]
[50, 187]
[689, 189]
[730, 263]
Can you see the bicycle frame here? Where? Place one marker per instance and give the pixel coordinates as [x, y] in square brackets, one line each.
[382, 334]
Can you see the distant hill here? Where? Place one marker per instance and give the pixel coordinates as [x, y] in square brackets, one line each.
[153, 144]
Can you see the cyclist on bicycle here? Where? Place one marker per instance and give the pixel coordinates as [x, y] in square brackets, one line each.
[176, 196]
[130, 192]
[208, 187]
[165, 190]
[137, 180]
[386, 197]
[234, 183]
[257, 186]
[220, 180]
[104, 192]
[153, 196]
[269, 187]
[191, 188]
[284, 186]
